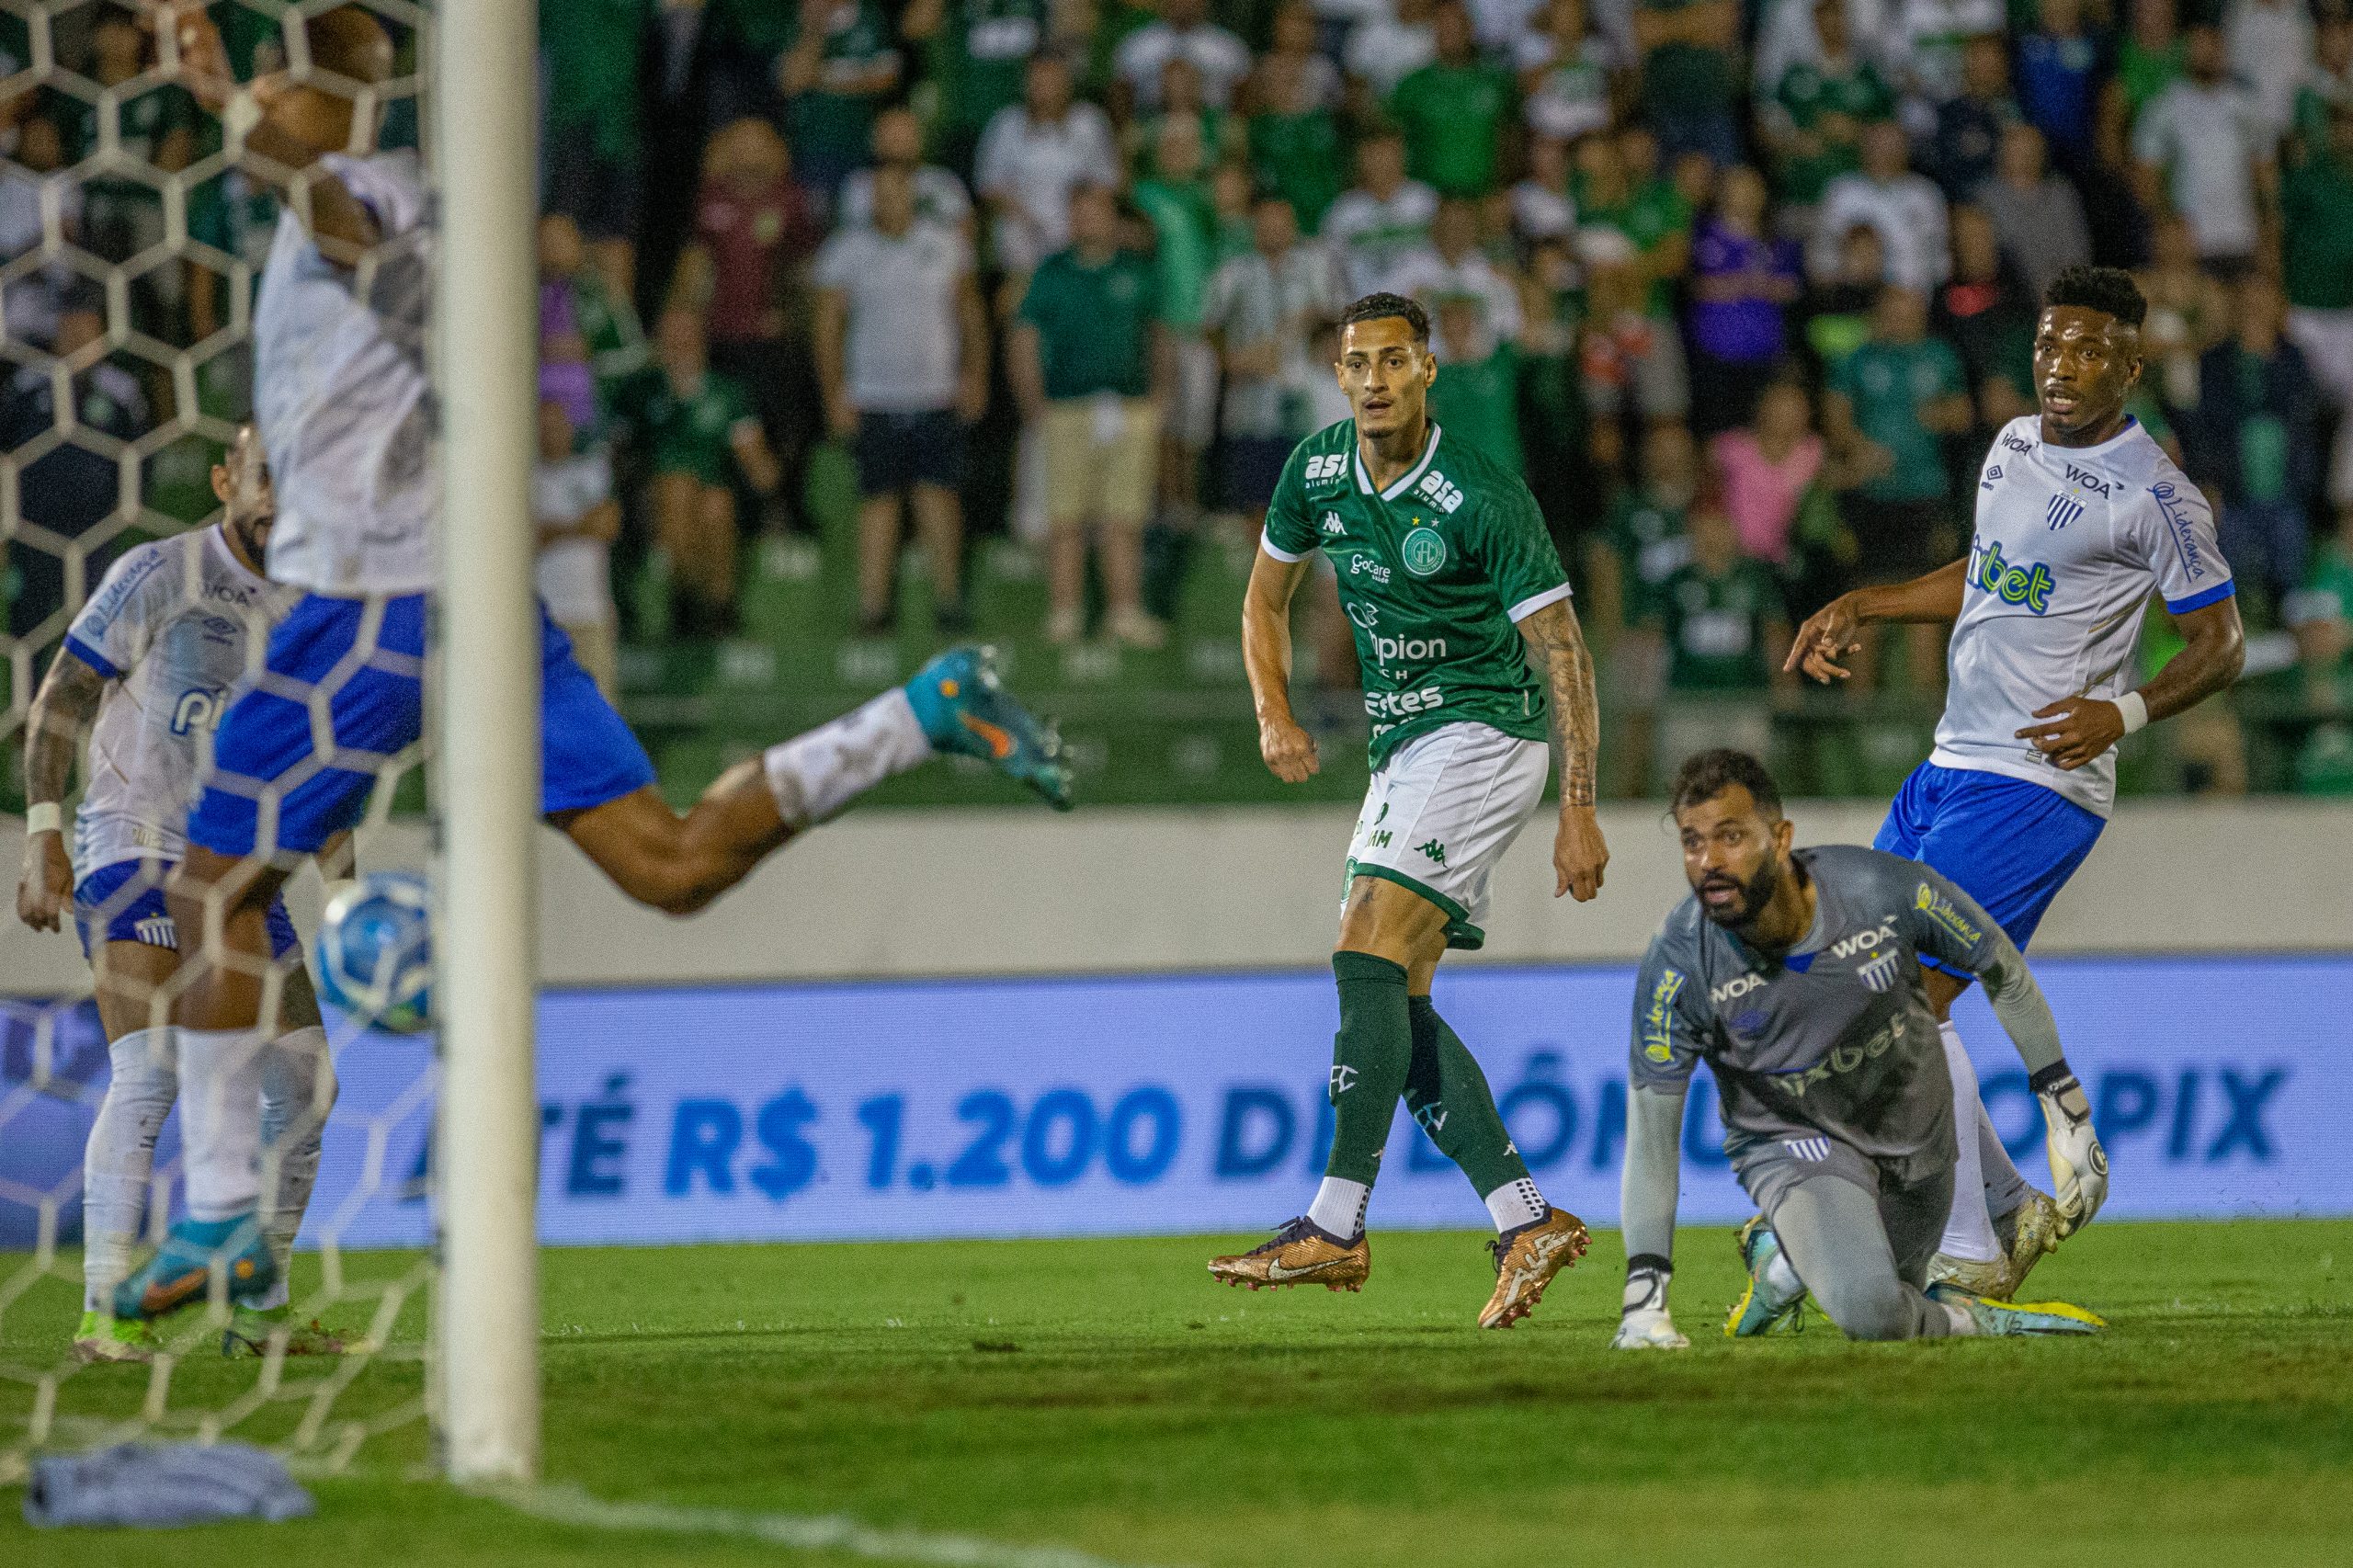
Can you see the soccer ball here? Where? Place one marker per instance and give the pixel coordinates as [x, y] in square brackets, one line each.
[375, 951]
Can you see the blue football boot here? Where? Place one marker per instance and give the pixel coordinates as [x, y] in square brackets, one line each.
[2019, 1317]
[1765, 1305]
[181, 1270]
[964, 708]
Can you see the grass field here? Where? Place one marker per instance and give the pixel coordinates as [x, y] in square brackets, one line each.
[1104, 1396]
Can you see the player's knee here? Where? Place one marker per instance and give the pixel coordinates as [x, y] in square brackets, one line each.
[677, 887]
[1867, 1309]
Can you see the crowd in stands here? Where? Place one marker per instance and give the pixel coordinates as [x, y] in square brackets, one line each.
[1744, 287]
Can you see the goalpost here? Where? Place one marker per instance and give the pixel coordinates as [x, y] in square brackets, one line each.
[486, 1325]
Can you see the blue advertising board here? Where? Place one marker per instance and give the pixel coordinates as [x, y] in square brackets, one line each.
[1195, 1103]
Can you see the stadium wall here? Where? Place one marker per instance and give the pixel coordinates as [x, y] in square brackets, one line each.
[980, 893]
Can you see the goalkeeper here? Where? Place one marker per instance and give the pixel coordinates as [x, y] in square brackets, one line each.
[1795, 975]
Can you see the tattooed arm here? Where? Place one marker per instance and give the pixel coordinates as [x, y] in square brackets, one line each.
[1557, 644]
[62, 708]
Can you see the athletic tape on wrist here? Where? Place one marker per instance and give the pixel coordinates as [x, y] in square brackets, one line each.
[2135, 709]
[43, 816]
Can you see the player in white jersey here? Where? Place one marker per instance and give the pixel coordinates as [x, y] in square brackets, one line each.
[146, 670]
[345, 407]
[2081, 517]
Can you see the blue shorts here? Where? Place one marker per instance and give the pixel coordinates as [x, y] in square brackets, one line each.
[124, 903]
[2007, 844]
[271, 791]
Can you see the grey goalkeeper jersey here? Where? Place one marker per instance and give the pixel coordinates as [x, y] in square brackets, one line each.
[1835, 1036]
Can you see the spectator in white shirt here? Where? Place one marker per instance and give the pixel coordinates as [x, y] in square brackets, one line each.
[1453, 267]
[1264, 308]
[2199, 151]
[1787, 37]
[1383, 219]
[940, 197]
[1906, 211]
[2268, 44]
[572, 501]
[1032, 156]
[902, 350]
[1924, 43]
[1385, 51]
[2038, 217]
[1183, 28]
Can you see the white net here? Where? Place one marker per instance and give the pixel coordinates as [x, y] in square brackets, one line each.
[131, 242]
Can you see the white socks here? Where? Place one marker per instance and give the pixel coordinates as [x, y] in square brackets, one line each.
[221, 1071]
[298, 1089]
[120, 1159]
[1781, 1281]
[1339, 1206]
[815, 775]
[1969, 1230]
[1516, 1203]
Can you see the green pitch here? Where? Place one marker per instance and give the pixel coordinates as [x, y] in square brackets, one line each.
[1104, 1396]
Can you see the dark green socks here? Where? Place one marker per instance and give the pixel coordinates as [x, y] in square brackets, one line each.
[1449, 1096]
[1369, 1059]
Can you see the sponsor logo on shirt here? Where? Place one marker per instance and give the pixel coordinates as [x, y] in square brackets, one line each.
[2016, 444]
[1843, 1060]
[1658, 1035]
[1403, 704]
[1386, 650]
[2029, 583]
[1940, 909]
[1864, 941]
[1330, 465]
[2178, 519]
[1732, 990]
[1365, 565]
[2085, 478]
[198, 708]
[1440, 492]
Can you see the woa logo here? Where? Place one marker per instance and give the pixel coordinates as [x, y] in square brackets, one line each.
[2030, 585]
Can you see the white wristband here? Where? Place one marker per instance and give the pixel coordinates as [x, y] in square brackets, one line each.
[43, 816]
[2135, 710]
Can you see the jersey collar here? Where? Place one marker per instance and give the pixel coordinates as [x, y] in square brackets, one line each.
[1364, 480]
[216, 539]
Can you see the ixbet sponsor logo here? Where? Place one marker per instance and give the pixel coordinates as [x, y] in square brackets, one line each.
[2029, 584]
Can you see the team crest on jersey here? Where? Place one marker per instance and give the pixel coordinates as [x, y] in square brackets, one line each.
[1879, 975]
[1424, 551]
[2063, 511]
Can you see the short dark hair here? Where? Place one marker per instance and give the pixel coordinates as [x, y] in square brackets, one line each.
[2109, 289]
[1380, 307]
[1711, 773]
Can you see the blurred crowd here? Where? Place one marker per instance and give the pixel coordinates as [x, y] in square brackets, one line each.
[1744, 287]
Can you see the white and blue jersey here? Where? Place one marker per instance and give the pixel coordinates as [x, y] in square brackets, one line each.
[174, 627]
[2069, 545]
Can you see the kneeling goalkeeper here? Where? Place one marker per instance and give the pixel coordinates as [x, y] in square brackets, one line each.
[1795, 975]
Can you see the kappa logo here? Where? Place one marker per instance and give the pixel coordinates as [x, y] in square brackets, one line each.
[1331, 524]
[1879, 975]
[2063, 511]
[1434, 849]
[1732, 990]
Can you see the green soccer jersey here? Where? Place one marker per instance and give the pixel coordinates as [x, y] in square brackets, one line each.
[691, 432]
[1452, 118]
[1715, 627]
[1812, 95]
[1434, 572]
[1647, 535]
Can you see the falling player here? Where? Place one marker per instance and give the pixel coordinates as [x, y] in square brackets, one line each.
[2080, 518]
[1453, 583]
[344, 405]
[1794, 974]
[145, 668]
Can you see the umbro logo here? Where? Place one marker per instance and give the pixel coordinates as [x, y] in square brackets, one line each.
[1991, 474]
[2063, 511]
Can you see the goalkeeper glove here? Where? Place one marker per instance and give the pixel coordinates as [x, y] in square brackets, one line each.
[1642, 1321]
[2078, 1165]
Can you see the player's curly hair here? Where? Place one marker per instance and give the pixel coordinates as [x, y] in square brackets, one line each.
[1380, 307]
[1711, 773]
[2109, 289]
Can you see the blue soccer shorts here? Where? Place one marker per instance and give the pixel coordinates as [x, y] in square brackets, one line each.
[124, 903]
[273, 791]
[2008, 843]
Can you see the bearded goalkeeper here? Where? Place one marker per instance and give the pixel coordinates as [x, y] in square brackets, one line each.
[1471, 658]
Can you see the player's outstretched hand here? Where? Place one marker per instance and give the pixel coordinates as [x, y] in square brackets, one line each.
[2079, 730]
[1288, 750]
[2078, 1165]
[1579, 855]
[203, 57]
[1647, 1328]
[1827, 636]
[47, 882]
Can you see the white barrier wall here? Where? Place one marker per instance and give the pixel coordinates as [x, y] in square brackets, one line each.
[988, 891]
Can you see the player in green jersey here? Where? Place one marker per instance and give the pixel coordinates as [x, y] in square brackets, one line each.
[1451, 582]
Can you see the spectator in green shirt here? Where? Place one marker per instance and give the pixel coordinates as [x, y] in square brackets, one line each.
[1088, 362]
[1476, 395]
[1175, 200]
[1294, 135]
[2320, 613]
[1690, 52]
[1453, 111]
[1891, 406]
[838, 67]
[699, 432]
[2316, 206]
[1814, 125]
[1640, 544]
[1725, 630]
[979, 51]
[591, 135]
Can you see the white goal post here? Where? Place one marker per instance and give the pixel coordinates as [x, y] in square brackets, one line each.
[484, 75]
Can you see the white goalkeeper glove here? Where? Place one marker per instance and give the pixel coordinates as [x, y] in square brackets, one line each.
[2078, 1165]
[1642, 1321]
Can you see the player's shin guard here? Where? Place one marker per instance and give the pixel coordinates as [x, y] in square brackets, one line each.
[298, 1090]
[1447, 1093]
[816, 775]
[119, 1160]
[1370, 1058]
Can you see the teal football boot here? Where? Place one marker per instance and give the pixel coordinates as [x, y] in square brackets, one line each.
[964, 708]
[1764, 1306]
[181, 1270]
[2019, 1317]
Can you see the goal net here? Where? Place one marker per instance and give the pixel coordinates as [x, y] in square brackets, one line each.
[133, 231]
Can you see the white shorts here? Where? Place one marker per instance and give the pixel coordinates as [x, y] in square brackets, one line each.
[1441, 813]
